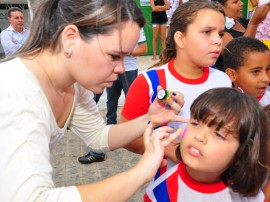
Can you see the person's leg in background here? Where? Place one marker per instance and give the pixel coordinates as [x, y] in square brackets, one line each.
[127, 79]
[155, 40]
[92, 156]
[113, 94]
[163, 31]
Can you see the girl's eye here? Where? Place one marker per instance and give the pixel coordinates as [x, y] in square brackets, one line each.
[220, 136]
[116, 57]
[221, 34]
[194, 123]
[207, 32]
[268, 69]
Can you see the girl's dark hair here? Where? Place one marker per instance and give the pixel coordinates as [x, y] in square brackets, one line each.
[92, 17]
[222, 2]
[221, 107]
[182, 17]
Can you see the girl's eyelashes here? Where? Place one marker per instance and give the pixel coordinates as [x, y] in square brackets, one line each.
[219, 135]
[116, 57]
[207, 32]
[268, 69]
[210, 32]
[221, 34]
[194, 123]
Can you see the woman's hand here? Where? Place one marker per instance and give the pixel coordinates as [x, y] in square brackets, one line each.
[259, 15]
[155, 142]
[161, 112]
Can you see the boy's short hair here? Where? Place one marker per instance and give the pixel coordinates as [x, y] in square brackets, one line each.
[237, 49]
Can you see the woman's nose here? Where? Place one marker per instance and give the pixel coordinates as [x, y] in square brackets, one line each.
[119, 68]
[241, 3]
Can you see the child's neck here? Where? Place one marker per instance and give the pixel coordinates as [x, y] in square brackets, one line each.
[203, 177]
[188, 70]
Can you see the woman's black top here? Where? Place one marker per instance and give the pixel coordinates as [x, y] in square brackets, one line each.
[235, 34]
[159, 17]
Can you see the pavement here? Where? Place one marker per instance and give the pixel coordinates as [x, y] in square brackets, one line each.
[64, 157]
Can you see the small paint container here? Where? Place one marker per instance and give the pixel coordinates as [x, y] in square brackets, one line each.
[163, 94]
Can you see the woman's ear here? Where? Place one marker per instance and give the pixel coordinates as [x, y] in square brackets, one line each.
[179, 39]
[231, 73]
[69, 36]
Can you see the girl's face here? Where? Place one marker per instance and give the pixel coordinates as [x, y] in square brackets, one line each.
[206, 151]
[202, 43]
[233, 9]
[96, 64]
[253, 76]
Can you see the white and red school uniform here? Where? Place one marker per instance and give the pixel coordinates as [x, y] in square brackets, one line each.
[142, 92]
[176, 186]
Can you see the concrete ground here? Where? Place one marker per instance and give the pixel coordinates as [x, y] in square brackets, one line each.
[64, 158]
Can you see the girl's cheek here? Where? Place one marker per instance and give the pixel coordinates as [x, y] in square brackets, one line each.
[183, 135]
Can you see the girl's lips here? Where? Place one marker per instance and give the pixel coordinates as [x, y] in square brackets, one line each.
[215, 54]
[193, 151]
[109, 84]
[262, 90]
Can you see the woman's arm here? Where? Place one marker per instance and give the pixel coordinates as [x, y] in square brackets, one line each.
[259, 15]
[140, 50]
[167, 5]
[254, 3]
[122, 186]
[122, 134]
[136, 146]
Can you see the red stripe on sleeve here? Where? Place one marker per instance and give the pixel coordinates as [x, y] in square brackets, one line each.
[146, 198]
[137, 100]
[162, 78]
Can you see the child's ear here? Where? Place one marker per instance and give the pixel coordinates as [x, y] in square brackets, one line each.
[178, 38]
[231, 73]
